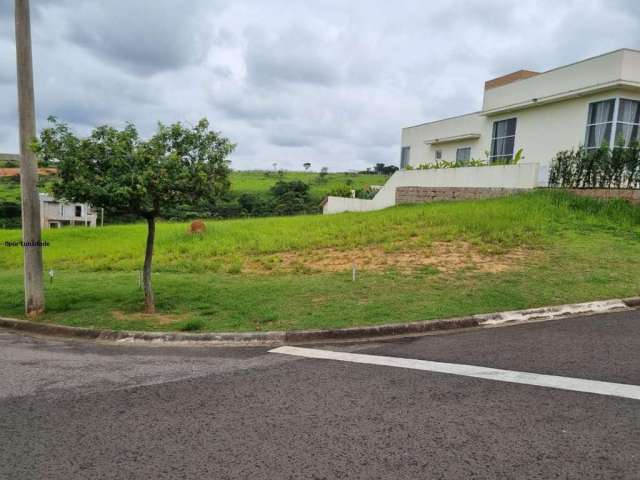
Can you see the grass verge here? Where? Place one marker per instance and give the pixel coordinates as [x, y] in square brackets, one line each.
[571, 250]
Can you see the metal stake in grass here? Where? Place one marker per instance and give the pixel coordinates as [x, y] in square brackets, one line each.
[353, 272]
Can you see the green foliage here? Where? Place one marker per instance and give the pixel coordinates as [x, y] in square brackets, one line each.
[575, 249]
[177, 169]
[346, 191]
[114, 169]
[260, 182]
[382, 169]
[446, 164]
[10, 214]
[341, 191]
[290, 198]
[600, 168]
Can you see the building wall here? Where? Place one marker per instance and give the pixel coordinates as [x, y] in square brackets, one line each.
[415, 137]
[542, 131]
[494, 177]
[437, 194]
[64, 214]
[602, 70]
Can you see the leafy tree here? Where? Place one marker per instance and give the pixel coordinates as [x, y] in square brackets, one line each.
[253, 204]
[290, 197]
[117, 170]
[383, 169]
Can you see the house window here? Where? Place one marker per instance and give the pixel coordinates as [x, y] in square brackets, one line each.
[438, 154]
[628, 122]
[405, 153]
[463, 154]
[503, 139]
[78, 210]
[600, 123]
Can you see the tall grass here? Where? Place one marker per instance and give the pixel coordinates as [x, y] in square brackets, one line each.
[494, 225]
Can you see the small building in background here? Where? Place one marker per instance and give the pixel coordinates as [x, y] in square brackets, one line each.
[58, 213]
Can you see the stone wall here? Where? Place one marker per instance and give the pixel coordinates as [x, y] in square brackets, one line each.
[632, 196]
[434, 194]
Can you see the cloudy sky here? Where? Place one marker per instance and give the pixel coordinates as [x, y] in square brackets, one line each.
[331, 82]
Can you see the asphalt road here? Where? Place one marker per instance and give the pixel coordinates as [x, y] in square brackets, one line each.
[71, 410]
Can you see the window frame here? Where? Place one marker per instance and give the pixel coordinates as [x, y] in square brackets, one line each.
[614, 122]
[438, 154]
[405, 161]
[468, 148]
[614, 115]
[492, 157]
[617, 120]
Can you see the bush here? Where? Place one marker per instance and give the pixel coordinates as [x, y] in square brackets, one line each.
[446, 164]
[341, 191]
[601, 168]
[290, 198]
[10, 216]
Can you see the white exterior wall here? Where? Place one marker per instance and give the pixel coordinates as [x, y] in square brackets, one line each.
[603, 71]
[421, 152]
[503, 176]
[556, 121]
[545, 130]
[541, 131]
[52, 211]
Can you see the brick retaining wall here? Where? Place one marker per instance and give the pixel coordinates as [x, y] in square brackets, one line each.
[434, 194]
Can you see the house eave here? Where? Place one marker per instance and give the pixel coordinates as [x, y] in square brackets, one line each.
[566, 95]
[452, 139]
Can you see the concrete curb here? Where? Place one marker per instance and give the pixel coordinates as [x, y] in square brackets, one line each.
[310, 336]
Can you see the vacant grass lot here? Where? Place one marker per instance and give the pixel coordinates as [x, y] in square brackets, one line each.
[414, 262]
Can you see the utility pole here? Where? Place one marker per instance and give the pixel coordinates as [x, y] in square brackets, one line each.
[33, 269]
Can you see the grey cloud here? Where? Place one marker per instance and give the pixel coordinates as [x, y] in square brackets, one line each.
[296, 55]
[140, 37]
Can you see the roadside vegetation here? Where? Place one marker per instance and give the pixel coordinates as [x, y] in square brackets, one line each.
[413, 262]
[250, 194]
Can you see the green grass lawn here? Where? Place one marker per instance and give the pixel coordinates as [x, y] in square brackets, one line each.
[260, 182]
[415, 262]
[9, 190]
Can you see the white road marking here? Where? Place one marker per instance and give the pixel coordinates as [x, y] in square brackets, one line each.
[550, 381]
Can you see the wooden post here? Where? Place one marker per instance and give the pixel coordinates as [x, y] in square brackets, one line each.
[33, 269]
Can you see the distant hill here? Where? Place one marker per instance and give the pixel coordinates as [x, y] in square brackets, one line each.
[257, 183]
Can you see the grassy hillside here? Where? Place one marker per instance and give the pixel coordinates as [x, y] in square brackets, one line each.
[251, 182]
[260, 182]
[414, 262]
[257, 182]
[9, 190]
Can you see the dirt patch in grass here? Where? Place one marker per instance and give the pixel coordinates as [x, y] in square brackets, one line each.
[157, 318]
[445, 257]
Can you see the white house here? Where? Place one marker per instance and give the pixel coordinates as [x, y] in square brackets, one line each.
[56, 214]
[587, 103]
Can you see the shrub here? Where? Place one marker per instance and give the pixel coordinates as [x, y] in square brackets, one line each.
[290, 197]
[341, 191]
[601, 168]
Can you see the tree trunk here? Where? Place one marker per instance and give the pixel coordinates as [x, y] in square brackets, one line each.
[149, 302]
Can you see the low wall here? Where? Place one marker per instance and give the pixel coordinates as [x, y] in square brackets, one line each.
[632, 196]
[521, 176]
[435, 194]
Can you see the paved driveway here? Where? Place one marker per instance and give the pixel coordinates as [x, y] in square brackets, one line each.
[79, 410]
